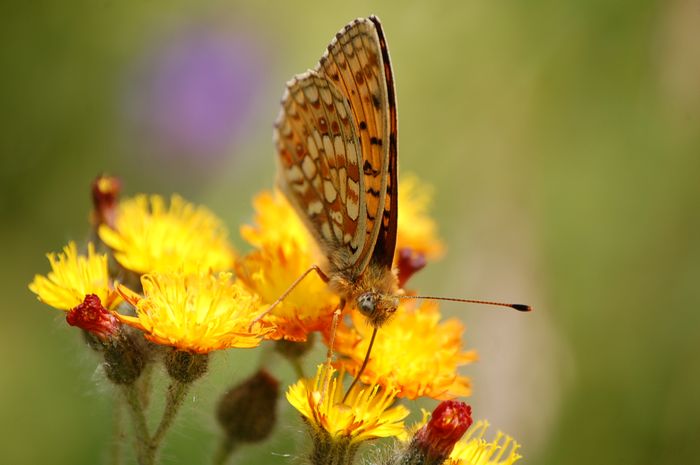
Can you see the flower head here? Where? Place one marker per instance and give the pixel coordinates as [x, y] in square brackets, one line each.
[285, 250]
[73, 277]
[366, 413]
[416, 354]
[150, 237]
[196, 313]
[473, 449]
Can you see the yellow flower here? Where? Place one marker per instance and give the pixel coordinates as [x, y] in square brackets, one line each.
[72, 277]
[195, 313]
[413, 353]
[285, 250]
[150, 237]
[416, 230]
[365, 414]
[473, 449]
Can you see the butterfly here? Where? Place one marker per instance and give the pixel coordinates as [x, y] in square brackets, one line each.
[336, 140]
[336, 137]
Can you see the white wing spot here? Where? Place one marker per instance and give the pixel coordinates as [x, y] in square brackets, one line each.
[294, 173]
[315, 207]
[328, 146]
[326, 96]
[309, 167]
[311, 93]
[339, 146]
[329, 191]
[311, 146]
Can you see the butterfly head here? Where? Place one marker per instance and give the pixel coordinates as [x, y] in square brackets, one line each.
[376, 307]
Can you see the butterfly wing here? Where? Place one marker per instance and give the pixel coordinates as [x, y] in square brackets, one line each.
[320, 166]
[383, 253]
[357, 62]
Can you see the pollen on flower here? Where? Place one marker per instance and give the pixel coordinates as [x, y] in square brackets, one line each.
[149, 236]
[473, 449]
[417, 355]
[73, 277]
[196, 313]
[283, 251]
[366, 413]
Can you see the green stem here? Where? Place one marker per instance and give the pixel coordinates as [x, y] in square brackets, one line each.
[145, 384]
[225, 449]
[115, 452]
[174, 400]
[145, 454]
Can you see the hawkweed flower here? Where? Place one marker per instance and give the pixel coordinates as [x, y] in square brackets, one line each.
[339, 425]
[285, 250]
[196, 313]
[73, 277]
[473, 449]
[148, 236]
[416, 355]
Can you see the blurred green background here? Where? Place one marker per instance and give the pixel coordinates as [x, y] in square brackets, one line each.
[562, 140]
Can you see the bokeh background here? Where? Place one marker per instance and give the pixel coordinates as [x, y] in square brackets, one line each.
[562, 140]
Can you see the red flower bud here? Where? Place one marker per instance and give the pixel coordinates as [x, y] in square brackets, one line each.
[409, 263]
[94, 318]
[105, 195]
[447, 425]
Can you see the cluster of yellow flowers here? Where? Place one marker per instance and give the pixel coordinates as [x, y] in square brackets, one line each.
[167, 269]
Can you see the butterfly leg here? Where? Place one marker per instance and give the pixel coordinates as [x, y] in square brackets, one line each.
[331, 341]
[364, 363]
[279, 300]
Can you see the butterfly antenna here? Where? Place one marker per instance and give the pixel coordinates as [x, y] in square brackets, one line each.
[518, 307]
[364, 364]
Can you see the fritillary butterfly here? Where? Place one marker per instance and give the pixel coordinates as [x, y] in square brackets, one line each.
[336, 137]
[336, 140]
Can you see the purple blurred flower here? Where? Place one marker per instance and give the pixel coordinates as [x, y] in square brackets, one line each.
[195, 93]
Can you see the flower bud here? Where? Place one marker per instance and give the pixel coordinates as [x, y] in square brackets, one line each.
[433, 443]
[105, 196]
[125, 357]
[186, 367]
[91, 316]
[409, 263]
[247, 411]
[294, 350]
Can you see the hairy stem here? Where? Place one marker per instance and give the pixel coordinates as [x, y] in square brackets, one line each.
[174, 400]
[145, 454]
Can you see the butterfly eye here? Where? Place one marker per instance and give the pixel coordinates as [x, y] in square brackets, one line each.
[366, 303]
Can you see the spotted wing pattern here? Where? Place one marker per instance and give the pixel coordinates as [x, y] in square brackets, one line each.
[320, 160]
[336, 133]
